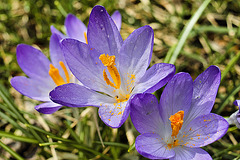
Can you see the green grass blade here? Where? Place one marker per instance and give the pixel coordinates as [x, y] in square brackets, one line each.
[113, 144]
[11, 105]
[9, 150]
[230, 65]
[18, 138]
[226, 100]
[187, 29]
[77, 146]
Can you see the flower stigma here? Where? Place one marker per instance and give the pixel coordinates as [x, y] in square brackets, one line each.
[176, 122]
[176, 125]
[109, 62]
[56, 77]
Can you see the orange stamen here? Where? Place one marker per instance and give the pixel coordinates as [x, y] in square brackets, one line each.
[56, 77]
[109, 62]
[85, 35]
[65, 71]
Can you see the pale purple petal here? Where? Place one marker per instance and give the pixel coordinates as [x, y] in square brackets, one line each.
[205, 89]
[55, 31]
[56, 53]
[155, 78]
[152, 146]
[75, 28]
[103, 34]
[31, 88]
[74, 95]
[33, 62]
[114, 114]
[176, 96]
[234, 119]
[204, 130]
[84, 63]
[237, 103]
[136, 52]
[144, 113]
[48, 108]
[238, 117]
[186, 153]
[117, 18]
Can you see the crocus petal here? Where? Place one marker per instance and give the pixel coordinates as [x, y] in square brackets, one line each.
[136, 52]
[176, 96]
[154, 78]
[85, 64]
[74, 95]
[103, 34]
[114, 114]
[238, 117]
[205, 89]
[55, 31]
[48, 108]
[183, 153]
[144, 113]
[31, 88]
[75, 28]
[237, 103]
[33, 62]
[117, 18]
[204, 130]
[152, 146]
[234, 119]
[56, 53]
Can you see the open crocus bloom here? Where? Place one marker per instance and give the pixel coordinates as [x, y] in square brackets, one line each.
[110, 70]
[76, 29]
[181, 123]
[43, 74]
[235, 117]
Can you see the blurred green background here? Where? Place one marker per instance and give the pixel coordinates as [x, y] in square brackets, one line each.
[71, 133]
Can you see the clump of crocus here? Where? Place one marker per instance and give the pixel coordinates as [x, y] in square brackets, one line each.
[43, 74]
[76, 29]
[181, 123]
[235, 117]
[111, 70]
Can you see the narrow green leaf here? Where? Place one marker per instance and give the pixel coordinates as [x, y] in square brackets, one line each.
[9, 150]
[226, 100]
[38, 129]
[60, 8]
[132, 147]
[11, 105]
[113, 144]
[77, 146]
[18, 138]
[233, 61]
[14, 123]
[73, 133]
[187, 29]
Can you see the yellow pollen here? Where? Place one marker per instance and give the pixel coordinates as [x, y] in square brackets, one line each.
[122, 99]
[176, 122]
[85, 35]
[56, 77]
[109, 62]
[174, 144]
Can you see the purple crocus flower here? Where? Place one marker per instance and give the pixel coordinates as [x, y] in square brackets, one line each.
[235, 117]
[110, 70]
[181, 123]
[76, 29]
[43, 74]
